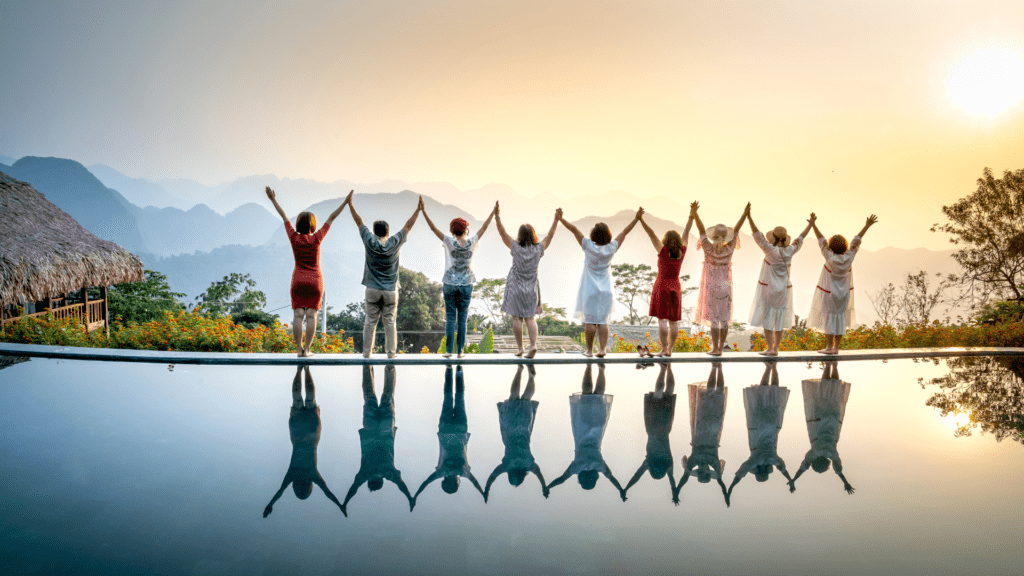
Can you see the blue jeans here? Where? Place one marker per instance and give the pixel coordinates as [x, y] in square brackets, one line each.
[456, 310]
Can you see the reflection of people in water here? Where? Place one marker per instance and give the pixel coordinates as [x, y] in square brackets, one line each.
[590, 411]
[515, 416]
[659, 412]
[453, 436]
[707, 414]
[377, 438]
[764, 406]
[824, 405]
[304, 426]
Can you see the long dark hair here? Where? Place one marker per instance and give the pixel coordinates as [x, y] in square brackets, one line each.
[305, 223]
[527, 236]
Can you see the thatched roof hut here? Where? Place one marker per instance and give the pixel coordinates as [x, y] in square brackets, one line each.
[44, 252]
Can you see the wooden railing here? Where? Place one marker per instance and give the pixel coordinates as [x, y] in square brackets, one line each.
[95, 310]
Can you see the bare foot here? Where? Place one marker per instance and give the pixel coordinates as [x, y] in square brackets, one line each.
[302, 352]
[772, 353]
[823, 351]
[531, 353]
[715, 353]
[521, 352]
[309, 354]
[764, 353]
[588, 354]
[600, 353]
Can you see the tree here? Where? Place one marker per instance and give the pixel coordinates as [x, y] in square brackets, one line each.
[233, 294]
[887, 304]
[490, 292]
[990, 391]
[143, 301]
[988, 228]
[633, 282]
[911, 303]
[420, 302]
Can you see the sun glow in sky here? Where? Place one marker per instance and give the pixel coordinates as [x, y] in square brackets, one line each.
[988, 81]
[843, 108]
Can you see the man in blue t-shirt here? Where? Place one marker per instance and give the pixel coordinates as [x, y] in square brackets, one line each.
[380, 276]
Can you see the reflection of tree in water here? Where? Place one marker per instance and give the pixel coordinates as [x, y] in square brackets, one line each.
[990, 391]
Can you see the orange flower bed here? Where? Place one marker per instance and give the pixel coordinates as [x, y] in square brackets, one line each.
[882, 336]
[183, 332]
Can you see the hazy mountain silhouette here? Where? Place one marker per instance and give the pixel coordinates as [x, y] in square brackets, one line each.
[170, 231]
[74, 189]
[7, 160]
[139, 191]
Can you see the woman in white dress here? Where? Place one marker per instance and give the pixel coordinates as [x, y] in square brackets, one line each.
[764, 405]
[595, 300]
[714, 305]
[832, 305]
[825, 401]
[707, 416]
[589, 411]
[773, 297]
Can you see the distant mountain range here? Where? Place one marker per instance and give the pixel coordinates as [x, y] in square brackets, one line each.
[233, 230]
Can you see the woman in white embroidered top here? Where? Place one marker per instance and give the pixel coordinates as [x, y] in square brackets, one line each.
[832, 305]
[458, 278]
[773, 297]
[595, 300]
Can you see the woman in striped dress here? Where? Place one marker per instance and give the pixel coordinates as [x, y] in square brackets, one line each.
[522, 289]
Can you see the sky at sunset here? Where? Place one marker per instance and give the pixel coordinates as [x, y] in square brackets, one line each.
[844, 108]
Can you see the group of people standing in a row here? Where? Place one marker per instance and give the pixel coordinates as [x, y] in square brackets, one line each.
[764, 404]
[832, 308]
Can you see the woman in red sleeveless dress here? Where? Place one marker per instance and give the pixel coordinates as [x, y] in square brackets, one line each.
[307, 281]
[666, 294]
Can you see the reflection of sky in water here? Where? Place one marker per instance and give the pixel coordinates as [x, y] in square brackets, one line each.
[169, 472]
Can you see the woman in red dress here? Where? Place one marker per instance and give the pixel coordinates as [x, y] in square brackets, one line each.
[307, 280]
[666, 295]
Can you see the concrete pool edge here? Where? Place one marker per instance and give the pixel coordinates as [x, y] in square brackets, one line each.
[243, 358]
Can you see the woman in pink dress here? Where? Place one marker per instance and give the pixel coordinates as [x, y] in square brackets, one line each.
[307, 287]
[714, 306]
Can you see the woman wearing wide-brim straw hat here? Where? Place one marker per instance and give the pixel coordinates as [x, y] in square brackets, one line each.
[714, 305]
[773, 298]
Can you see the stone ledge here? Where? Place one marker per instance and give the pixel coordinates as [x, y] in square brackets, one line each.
[230, 358]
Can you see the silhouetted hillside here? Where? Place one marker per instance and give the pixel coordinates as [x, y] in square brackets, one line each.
[139, 191]
[74, 189]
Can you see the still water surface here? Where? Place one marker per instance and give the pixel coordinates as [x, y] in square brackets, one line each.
[134, 468]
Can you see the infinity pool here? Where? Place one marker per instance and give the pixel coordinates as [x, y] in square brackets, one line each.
[112, 468]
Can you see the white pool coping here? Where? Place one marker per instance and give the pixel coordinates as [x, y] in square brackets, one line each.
[231, 358]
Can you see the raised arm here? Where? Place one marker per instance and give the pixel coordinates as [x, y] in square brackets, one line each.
[806, 230]
[490, 480]
[284, 484]
[753, 227]
[477, 486]
[846, 485]
[561, 478]
[543, 486]
[319, 481]
[871, 221]
[505, 238]
[438, 233]
[812, 222]
[689, 223]
[273, 200]
[739, 224]
[427, 482]
[725, 492]
[356, 483]
[696, 218]
[551, 233]
[336, 213]
[575, 231]
[639, 474]
[412, 219]
[629, 227]
[655, 241]
[352, 209]
[622, 493]
[483, 227]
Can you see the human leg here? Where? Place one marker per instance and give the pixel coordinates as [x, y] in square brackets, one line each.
[374, 306]
[602, 339]
[310, 330]
[517, 331]
[531, 328]
[451, 311]
[588, 380]
[588, 334]
[297, 388]
[599, 386]
[465, 299]
[310, 389]
[514, 392]
[663, 336]
[530, 385]
[297, 317]
[673, 334]
[389, 316]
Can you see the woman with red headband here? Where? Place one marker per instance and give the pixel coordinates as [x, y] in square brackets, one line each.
[458, 278]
